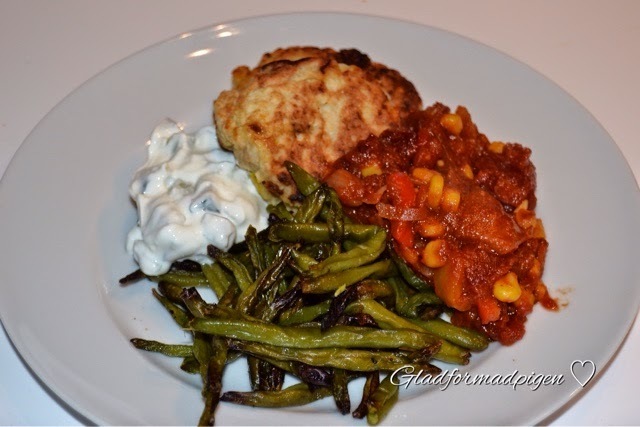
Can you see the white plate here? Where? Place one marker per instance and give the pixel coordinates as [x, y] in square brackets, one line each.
[65, 213]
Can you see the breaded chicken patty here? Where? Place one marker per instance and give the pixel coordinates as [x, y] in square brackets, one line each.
[310, 106]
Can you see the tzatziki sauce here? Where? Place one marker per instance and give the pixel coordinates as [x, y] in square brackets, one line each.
[190, 193]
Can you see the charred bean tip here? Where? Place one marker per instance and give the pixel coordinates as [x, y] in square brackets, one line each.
[214, 252]
[232, 396]
[315, 376]
[132, 277]
[186, 265]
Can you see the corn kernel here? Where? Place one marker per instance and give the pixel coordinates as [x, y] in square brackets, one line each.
[373, 169]
[433, 254]
[423, 174]
[430, 229]
[507, 288]
[434, 194]
[496, 147]
[467, 171]
[452, 122]
[450, 200]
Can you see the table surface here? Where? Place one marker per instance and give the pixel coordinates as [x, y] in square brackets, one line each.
[590, 48]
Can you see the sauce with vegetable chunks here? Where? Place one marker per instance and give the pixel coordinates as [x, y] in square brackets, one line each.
[459, 210]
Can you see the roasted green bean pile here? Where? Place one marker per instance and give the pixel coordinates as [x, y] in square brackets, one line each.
[313, 296]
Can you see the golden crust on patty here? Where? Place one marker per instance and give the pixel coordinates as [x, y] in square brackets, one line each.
[310, 106]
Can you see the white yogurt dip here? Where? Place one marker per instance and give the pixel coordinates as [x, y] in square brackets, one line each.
[190, 193]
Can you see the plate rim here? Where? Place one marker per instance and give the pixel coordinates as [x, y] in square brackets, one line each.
[622, 332]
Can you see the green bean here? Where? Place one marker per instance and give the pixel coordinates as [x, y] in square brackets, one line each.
[320, 377]
[287, 299]
[314, 375]
[237, 268]
[213, 385]
[359, 360]
[464, 337]
[263, 375]
[370, 385]
[383, 316]
[425, 297]
[244, 258]
[280, 210]
[258, 259]
[302, 261]
[333, 215]
[285, 365]
[407, 273]
[413, 305]
[318, 232]
[173, 350]
[372, 289]
[194, 302]
[401, 292]
[202, 351]
[295, 395]
[230, 296]
[357, 319]
[190, 365]
[182, 278]
[218, 280]
[333, 281]
[132, 277]
[312, 337]
[362, 254]
[198, 307]
[382, 400]
[179, 316]
[387, 319]
[254, 372]
[365, 289]
[271, 377]
[310, 207]
[305, 182]
[172, 292]
[269, 251]
[267, 279]
[415, 302]
[340, 391]
[304, 314]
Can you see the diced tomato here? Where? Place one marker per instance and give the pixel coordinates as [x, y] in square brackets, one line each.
[488, 310]
[349, 187]
[401, 190]
[409, 254]
[402, 232]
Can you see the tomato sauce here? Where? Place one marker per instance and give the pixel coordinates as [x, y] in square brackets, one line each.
[460, 210]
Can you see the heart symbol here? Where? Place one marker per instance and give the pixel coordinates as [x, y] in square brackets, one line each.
[587, 368]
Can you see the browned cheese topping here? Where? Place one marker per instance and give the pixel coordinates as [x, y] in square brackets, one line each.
[310, 106]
